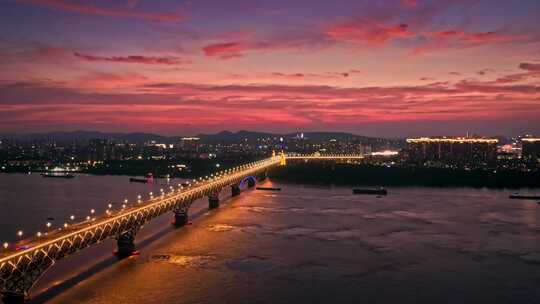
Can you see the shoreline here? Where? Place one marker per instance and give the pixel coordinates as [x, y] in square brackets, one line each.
[373, 176]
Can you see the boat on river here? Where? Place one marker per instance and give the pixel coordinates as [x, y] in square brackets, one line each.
[524, 196]
[380, 191]
[268, 188]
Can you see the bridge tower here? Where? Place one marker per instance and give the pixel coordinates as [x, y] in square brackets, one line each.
[282, 160]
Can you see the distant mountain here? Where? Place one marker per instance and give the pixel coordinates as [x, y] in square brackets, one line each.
[85, 136]
[221, 137]
[230, 137]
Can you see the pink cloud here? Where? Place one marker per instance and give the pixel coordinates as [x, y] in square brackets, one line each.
[239, 48]
[81, 8]
[476, 38]
[367, 31]
[326, 75]
[132, 59]
[531, 67]
[178, 105]
[227, 50]
[445, 40]
[409, 3]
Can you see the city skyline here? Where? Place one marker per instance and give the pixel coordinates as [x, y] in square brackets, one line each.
[400, 68]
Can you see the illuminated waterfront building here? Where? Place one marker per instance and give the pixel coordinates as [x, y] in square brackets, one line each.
[530, 148]
[452, 152]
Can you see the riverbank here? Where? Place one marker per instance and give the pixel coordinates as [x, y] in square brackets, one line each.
[355, 175]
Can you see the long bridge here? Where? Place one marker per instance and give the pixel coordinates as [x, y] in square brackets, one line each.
[21, 268]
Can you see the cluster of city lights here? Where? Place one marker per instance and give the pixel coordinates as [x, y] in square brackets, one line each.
[91, 217]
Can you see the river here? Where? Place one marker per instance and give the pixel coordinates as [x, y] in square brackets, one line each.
[304, 244]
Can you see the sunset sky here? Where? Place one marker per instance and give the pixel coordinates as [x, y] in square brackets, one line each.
[381, 68]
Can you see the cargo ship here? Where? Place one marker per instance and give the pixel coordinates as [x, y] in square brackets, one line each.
[268, 188]
[380, 191]
[524, 196]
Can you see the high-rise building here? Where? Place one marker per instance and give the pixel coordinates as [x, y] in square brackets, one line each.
[530, 149]
[190, 144]
[452, 152]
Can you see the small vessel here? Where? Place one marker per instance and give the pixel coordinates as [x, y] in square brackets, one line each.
[524, 196]
[380, 191]
[58, 175]
[269, 188]
[138, 180]
[148, 179]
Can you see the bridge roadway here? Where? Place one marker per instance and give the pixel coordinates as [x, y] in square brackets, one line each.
[20, 269]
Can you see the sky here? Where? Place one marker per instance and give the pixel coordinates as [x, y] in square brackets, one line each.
[390, 68]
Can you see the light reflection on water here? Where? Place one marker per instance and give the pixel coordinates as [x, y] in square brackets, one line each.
[315, 245]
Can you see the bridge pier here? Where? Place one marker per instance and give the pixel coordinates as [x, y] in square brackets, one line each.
[180, 217]
[235, 190]
[251, 183]
[126, 243]
[13, 298]
[213, 201]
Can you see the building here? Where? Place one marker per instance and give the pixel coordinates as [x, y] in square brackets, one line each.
[190, 144]
[457, 152]
[530, 149]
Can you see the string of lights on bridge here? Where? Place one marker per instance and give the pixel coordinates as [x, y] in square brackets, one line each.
[109, 210]
[125, 204]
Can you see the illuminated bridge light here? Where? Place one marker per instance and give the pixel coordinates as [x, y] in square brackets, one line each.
[452, 140]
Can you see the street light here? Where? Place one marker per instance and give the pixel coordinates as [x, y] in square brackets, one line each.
[72, 217]
[66, 225]
[5, 245]
[20, 234]
[38, 234]
[92, 211]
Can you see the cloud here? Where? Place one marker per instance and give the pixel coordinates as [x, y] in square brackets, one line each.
[239, 48]
[532, 71]
[483, 72]
[176, 106]
[326, 75]
[367, 31]
[132, 59]
[81, 8]
[453, 39]
[475, 38]
[409, 3]
[228, 50]
[531, 67]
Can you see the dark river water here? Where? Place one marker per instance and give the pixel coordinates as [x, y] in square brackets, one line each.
[304, 244]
